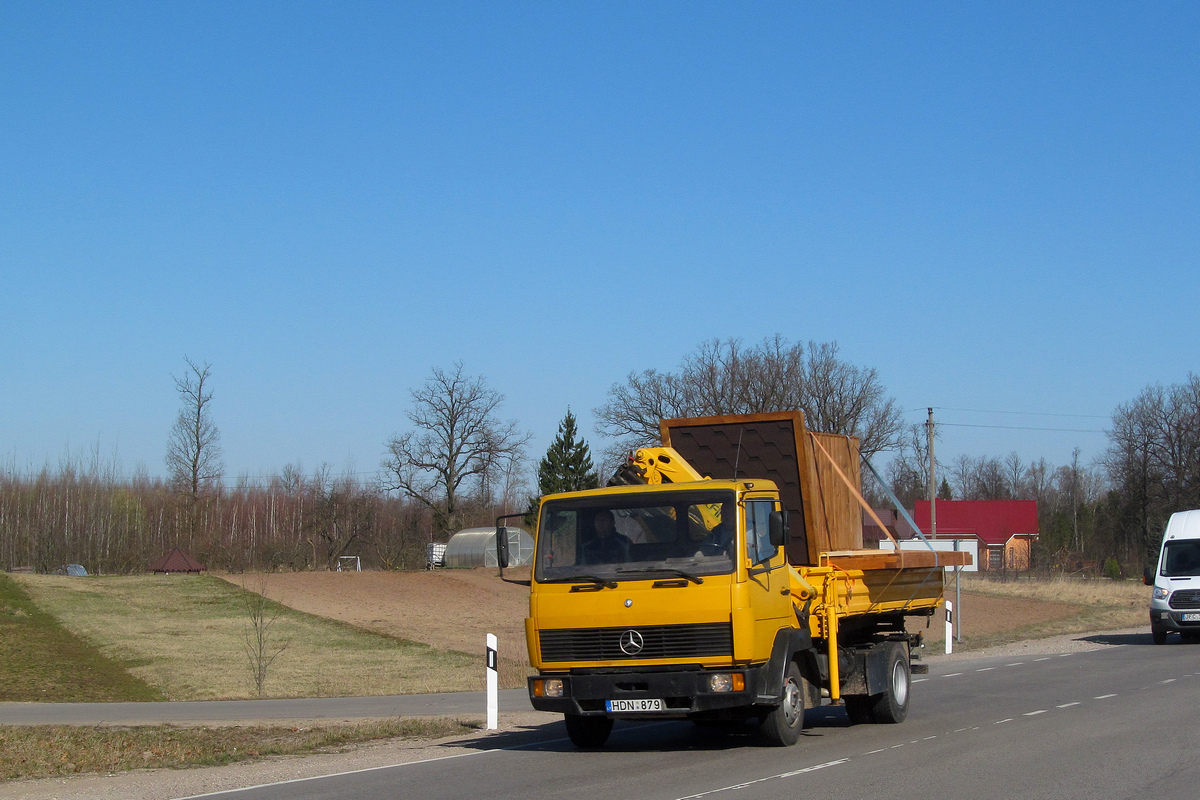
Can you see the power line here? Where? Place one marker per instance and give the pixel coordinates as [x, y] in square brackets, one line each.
[1023, 413]
[1019, 428]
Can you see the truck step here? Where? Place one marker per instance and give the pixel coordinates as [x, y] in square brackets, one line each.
[918, 669]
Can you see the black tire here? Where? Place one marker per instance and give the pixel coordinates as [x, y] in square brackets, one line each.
[1160, 637]
[891, 705]
[858, 709]
[782, 725]
[588, 732]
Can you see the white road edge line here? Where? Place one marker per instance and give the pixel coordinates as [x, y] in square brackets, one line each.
[1001, 722]
[1015, 664]
[384, 766]
[1104, 696]
[1068, 705]
[790, 774]
[1034, 713]
[985, 669]
[952, 674]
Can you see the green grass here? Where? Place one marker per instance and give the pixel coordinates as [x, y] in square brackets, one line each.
[185, 636]
[42, 660]
[55, 750]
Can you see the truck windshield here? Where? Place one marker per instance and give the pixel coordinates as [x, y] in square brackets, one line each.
[1181, 559]
[638, 536]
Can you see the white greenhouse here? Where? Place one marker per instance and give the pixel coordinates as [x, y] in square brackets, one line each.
[476, 547]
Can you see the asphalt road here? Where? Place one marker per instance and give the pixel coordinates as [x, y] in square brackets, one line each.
[1122, 721]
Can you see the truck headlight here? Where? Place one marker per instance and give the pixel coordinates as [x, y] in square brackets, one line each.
[1160, 593]
[548, 687]
[727, 682]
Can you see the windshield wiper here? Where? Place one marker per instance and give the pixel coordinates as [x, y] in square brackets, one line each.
[669, 570]
[593, 579]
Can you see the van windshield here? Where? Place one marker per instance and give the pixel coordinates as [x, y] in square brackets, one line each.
[1181, 559]
[635, 537]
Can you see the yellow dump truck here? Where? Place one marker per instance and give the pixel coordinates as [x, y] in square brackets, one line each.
[721, 578]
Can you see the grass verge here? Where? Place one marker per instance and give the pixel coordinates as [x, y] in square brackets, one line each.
[1086, 606]
[54, 750]
[185, 635]
[42, 660]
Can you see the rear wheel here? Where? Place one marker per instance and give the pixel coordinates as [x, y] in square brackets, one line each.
[588, 732]
[891, 705]
[782, 726]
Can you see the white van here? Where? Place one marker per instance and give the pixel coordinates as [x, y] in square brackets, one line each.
[1175, 601]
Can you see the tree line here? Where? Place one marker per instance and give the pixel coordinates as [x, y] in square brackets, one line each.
[459, 464]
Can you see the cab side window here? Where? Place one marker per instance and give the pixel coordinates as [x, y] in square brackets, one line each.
[758, 530]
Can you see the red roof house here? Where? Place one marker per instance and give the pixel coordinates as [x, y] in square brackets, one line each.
[1005, 528]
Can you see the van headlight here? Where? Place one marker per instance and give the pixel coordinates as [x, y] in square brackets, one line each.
[548, 687]
[1160, 593]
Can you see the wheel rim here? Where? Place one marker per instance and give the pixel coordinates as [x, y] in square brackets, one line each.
[899, 684]
[793, 705]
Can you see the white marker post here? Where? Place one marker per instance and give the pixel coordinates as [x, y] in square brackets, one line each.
[493, 699]
[949, 627]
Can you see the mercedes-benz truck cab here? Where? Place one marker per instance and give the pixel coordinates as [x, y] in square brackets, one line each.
[1175, 601]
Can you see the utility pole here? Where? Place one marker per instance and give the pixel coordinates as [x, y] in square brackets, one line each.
[932, 481]
[933, 529]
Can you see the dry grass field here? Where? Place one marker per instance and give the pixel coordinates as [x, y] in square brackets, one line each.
[995, 612]
[396, 633]
[452, 609]
[185, 635]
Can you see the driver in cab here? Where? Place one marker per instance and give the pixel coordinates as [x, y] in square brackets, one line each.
[606, 545]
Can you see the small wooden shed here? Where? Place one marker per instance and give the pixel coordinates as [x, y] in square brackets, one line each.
[176, 561]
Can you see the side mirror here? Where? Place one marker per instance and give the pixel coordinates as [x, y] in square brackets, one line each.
[502, 546]
[777, 524]
[1148, 576]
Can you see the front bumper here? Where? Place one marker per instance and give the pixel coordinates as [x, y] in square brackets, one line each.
[1167, 619]
[684, 692]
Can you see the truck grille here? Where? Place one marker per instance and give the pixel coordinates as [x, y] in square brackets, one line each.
[1185, 598]
[658, 641]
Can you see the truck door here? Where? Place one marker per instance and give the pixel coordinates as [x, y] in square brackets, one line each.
[769, 585]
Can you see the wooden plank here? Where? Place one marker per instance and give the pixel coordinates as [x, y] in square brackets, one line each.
[837, 519]
[898, 559]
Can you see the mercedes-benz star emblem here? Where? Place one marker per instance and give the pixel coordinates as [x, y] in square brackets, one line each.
[631, 643]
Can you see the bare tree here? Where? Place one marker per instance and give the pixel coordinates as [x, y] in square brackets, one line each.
[908, 471]
[194, 445]
[726, 377]
[260, 640]
[1153, 458]
[457, 444]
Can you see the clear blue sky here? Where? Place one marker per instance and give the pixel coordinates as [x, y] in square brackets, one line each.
[995, 205]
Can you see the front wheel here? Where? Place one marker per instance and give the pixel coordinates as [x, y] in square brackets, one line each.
[782, 726]
[891, 705]
[1160, 637]
[588, 732]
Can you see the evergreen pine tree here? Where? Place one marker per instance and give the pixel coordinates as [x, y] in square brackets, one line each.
[567, 466]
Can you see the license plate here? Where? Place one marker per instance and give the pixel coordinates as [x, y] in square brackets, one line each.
[1189, 618]
[634, 706]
